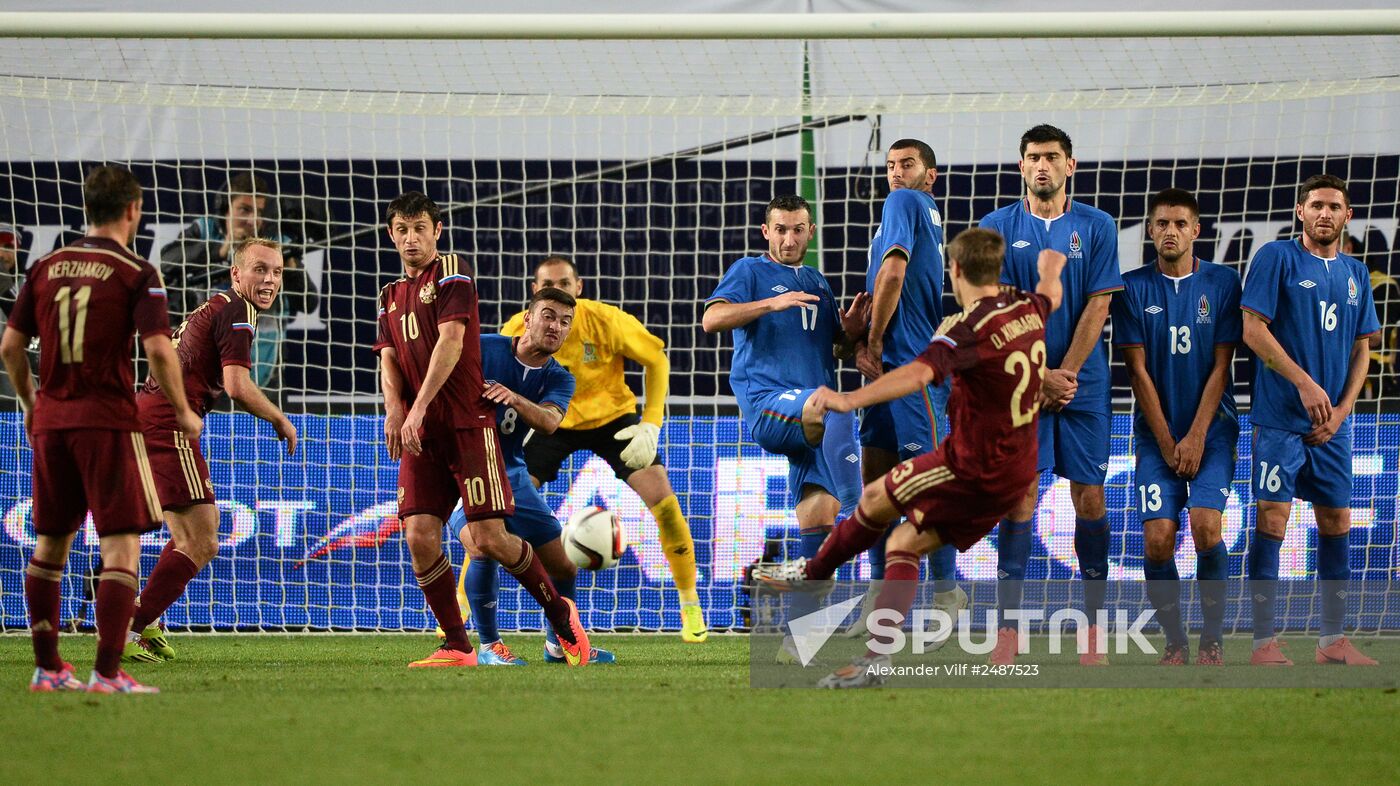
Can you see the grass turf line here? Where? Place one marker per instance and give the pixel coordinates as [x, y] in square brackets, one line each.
[243, 708]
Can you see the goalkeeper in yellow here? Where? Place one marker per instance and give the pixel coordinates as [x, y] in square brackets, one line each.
[602, 418]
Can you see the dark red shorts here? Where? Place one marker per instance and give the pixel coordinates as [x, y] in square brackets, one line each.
[105, 471]
[178, 466]
[960, 511]
[464, 464]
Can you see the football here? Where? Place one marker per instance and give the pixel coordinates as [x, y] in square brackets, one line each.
[593, 539]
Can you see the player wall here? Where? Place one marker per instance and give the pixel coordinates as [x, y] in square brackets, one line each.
[313, 542]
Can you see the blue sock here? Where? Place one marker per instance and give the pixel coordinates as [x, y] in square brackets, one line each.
[483, 586]
[1263, 582]
[566, 588]
[1091, 546]
[1212, 565]
[1164, 590]
[1013, 552]
[943, 566]
[877, 556]
[808, 544]
[1333, 572]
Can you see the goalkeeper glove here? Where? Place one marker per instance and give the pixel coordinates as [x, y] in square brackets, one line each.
[641, 449]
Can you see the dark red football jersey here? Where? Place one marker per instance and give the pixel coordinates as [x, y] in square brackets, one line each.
[410, 311]
[996, 356]
[84, 301]
[219, 333]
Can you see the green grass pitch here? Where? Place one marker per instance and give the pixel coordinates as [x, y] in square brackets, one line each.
[327, 709]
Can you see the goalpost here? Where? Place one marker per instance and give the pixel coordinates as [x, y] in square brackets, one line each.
[645, 148]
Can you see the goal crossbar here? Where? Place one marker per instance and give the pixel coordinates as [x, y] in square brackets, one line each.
[1147, 24]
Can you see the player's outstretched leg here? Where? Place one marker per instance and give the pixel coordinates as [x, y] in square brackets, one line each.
[850, 537]
[903, 553]
[521, 562]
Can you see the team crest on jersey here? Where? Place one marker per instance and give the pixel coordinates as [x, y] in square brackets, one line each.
[1351, 291]
[1021, 244]
[1203, 311]
[1076, 246]
[428, 293]
[590, 353]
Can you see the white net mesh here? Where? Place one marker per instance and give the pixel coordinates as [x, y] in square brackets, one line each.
[649, 162]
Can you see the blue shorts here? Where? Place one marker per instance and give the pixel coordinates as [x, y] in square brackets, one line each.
[533, 520]
[909, 426]
[1074, 443]
[1285, 468]
[833, 466]
[1161, 493]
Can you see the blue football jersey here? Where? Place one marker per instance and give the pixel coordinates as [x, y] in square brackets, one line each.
[1316, 308]
[548, 384]
[787, 349]
[1089, 238]
[1179, 322]
[910, 221]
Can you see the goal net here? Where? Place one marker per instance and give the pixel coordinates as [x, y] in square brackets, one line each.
[649, 162]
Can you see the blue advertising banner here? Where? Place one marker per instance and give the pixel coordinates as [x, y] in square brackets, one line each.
[313, 541]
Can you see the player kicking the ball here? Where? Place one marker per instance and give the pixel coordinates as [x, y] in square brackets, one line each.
[531, 391]
[215, 347]
[995, 352]
[442, 429]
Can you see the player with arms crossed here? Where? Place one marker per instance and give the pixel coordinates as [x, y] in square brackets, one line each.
[441, 428]
[1178, 322]
[602, 418]
[215, 347]
[1308, 316]
[1075, 420]
[995, 353]
[784, 350]
[531, 391]
[84, 302]
[905, 281]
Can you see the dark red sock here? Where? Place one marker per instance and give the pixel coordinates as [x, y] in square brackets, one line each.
[164, 586]
[440, 588]
[42, 584]
[901, 584]
[532, 576]
[116, 599]
[851, 537]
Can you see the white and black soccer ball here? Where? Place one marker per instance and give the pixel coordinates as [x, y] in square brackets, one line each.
[594, 539]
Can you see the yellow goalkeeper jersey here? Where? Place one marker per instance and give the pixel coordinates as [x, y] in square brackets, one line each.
[601, 337]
